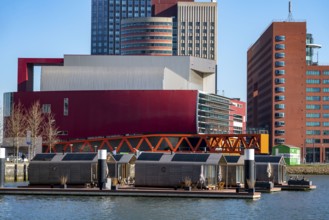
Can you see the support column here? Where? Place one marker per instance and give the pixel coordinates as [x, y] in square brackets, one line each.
[249, 168]
[102, 176]
[2, 166]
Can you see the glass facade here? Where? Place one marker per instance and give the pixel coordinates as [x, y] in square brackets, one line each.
[213, 113]
[106, 21]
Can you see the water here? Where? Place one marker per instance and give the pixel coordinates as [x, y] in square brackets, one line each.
[279, 205]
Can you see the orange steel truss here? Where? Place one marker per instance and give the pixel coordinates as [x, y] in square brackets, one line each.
[214, 143]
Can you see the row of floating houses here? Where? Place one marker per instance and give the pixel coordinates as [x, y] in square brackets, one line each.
[153, 169]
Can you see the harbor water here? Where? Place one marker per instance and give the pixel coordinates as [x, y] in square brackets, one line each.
[279, 205]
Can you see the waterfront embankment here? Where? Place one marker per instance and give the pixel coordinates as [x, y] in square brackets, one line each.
[309, 169]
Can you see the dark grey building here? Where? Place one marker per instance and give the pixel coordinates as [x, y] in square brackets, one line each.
[106, 19]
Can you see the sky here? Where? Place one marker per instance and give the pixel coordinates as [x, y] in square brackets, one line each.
[50, 29]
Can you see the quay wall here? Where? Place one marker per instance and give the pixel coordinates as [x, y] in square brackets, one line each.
[309, 169]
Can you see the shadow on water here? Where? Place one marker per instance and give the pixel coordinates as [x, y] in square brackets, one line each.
[279, 205]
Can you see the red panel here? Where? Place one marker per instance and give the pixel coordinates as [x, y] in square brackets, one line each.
[23, 81]
[103, 113]
[166, 8]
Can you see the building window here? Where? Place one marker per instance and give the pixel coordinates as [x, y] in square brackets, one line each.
[279, 140]
[312, 89]
[325, 72]
[325, 115]
[325, 124]
[279, 55]
[313, 98]
[280, 46]
[312, 140]
[312, 73]
[312, 115]
[325, 90]
[313, 107]
[313, 132]
[325, 107]
[280, 38]
[279, 72]
[279, 115]
[280, 81]
[279, 63]
[312, 123]
[279, 98]
[46, 108]
[279, 89]
[325, 81]
[325, 98]
[312, 81]
[279, 123]
[66, 106]
[279, 132]
[279, 106]
[325, 132]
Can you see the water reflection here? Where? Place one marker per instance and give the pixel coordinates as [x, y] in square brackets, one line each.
[280, 205]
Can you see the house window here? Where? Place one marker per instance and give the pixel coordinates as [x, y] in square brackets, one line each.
[66, 106]
[46, 108]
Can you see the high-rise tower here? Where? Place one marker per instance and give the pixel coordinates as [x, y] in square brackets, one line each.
[106, 21]
[287, 91]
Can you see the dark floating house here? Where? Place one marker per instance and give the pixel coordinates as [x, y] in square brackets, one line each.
[233, 170]
[122, 167]
[69, 168]
[174, 170]
[270, 168]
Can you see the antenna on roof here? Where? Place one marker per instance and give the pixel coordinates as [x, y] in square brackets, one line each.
[290, 18]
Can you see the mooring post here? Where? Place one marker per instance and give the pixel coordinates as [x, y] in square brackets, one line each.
[2, 166]
[249, 169]
[102, 154]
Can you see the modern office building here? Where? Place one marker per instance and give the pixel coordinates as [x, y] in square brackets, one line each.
[106, 22]
[147, 36]
[192, 27]
[287, 90]
[197, 29]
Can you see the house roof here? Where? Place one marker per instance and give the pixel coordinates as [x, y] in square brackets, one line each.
[203, 158]
[268, 159]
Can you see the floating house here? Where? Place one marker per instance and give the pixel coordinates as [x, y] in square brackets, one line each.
[68, 168]
[122, 166]
[172, 170]
[270, 168]
[233, 170]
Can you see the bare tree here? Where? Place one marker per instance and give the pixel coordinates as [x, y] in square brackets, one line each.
[16, 126]
[35, 120]
[50, 131]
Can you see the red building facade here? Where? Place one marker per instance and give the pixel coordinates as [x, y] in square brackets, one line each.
[286, 90]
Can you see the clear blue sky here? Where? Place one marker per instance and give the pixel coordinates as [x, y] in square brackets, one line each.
[47, 28]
